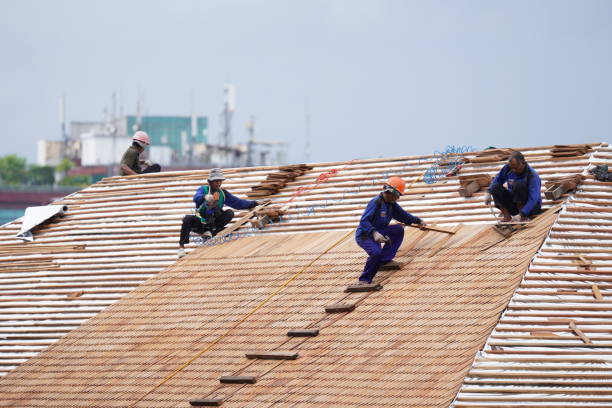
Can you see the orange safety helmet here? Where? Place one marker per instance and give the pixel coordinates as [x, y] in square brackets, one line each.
[396, 185]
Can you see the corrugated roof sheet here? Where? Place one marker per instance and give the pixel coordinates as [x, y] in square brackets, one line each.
[553, 345]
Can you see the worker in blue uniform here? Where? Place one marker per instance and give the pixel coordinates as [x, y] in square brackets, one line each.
[374, 229]
[521, 200]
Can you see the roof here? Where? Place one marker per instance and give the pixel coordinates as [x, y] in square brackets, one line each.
[409, 344]
[123, 230]
[552, 346]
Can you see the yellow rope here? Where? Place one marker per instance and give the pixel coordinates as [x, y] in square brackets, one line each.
[255, 309]
[249, 314]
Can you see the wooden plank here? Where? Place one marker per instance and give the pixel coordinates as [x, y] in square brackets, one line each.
[237, 379]
[440, 244]
[206, 402]
[303, 333]
[340, 308]
[579, 332]
[371, 287]
[272, 355]
[452, 231]
[555, 192]
[469, 189]
[241, 221]
[596, 292]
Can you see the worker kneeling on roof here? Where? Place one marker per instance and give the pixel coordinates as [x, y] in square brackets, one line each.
[522, 199]
[210, 217]
[374, 228]
[131, 163]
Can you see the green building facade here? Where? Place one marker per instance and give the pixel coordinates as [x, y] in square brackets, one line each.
[170, 130]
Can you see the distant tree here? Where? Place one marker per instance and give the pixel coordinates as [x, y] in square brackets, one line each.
[76, 181]
[65, 166]
[41, 175]
[13, 169]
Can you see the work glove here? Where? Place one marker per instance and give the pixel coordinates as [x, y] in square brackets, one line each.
[488, 199]
[422, 223]
[519, 218]
[149, 163]
[380, 238]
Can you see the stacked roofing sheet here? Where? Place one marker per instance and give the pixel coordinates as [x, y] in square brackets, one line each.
[171, 339]
[553, 344]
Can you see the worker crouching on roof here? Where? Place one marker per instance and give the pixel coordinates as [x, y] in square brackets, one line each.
[131, 163]
[374, 228]
[522, 199]
[210, 216]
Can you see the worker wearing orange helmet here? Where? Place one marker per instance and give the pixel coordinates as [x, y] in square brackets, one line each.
[374, 228]
[131, 163]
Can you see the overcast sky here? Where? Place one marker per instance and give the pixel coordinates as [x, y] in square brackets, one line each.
[379, 78]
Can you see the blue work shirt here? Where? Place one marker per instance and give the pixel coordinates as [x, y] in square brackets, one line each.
[377, 216]
[531, 179]
[230, 199]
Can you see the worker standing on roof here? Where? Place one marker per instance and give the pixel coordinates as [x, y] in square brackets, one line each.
[522, 199]
[374, 228]
[210, 217]
[131, 163]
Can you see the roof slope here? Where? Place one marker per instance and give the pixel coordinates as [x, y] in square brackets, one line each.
[409, 344]
[553, 344]
[121, 231]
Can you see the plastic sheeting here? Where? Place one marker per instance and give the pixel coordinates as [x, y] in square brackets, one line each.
[35, 216]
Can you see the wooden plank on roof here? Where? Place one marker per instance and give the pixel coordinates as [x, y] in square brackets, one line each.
[303, 333]
[272, 355]
[238, 379]
[371, 287]
[596, 292]
[206, 402]
[579, 332]
[441, 243]
[435, 228]
[340, 308]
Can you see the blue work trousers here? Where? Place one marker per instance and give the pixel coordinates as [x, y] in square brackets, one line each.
[379, 255]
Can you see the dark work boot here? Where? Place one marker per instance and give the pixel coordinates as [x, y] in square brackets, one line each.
[390, 266]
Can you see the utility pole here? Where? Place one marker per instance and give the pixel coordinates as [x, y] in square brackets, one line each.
[307, 147]
[62, 120]
[194, 130]
[138, 125]
[229, 106]
[251, 142]
[114, 111]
